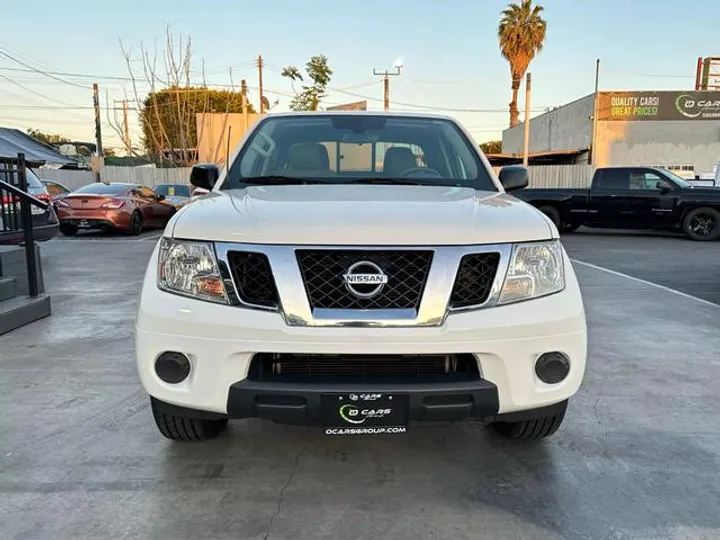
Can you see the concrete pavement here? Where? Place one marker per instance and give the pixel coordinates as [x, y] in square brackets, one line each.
[637, 457]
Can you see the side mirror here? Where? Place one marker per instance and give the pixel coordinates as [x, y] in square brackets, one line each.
[161, 197]
[204, 175]
[514, 177]
[663, 187]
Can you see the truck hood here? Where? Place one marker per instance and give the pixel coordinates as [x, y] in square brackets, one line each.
[360, 215]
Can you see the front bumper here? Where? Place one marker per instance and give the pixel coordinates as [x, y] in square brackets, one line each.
[220, 342]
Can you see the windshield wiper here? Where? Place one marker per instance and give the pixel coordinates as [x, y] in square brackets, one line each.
[381, 180]
[279, 180]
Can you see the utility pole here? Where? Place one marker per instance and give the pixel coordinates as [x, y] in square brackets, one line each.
[596, 110]
[386, 82]
[526, 143]
[126, 128]
[98, 161]
[260, 83]
[98, 132]
[243, 97]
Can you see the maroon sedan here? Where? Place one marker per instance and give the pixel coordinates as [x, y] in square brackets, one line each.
[125, 207]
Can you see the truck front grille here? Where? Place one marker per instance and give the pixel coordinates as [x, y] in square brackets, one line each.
[253, 278]
[323, 274]
[355, 367]
[474, 279]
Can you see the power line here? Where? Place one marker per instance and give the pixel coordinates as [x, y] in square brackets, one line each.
[37, 93]
[46, 73]
[428, 107]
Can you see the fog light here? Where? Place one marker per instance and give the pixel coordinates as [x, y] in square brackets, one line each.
[172, 367]
[552, 367]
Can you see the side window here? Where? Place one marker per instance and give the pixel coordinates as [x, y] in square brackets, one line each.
[644, 180]
[612, 180]
[54, 189]
[147, 193]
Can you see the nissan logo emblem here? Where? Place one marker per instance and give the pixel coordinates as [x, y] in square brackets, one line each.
[365, 279]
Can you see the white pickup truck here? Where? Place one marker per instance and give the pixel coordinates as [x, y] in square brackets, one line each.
[359, 272]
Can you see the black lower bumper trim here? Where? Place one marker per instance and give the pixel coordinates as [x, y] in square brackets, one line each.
[301, 403]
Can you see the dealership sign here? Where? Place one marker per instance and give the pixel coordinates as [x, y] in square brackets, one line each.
[659, 106]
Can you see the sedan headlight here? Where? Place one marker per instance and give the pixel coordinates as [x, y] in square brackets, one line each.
[535, 270]
[190, 269]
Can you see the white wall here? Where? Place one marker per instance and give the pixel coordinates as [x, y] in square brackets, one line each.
[541, 176]
[558, 176]
[672, 142]
[147, 176]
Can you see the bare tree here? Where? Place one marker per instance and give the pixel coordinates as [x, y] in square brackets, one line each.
[173, 134]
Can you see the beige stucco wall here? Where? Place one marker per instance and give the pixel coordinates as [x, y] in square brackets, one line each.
[213, 131]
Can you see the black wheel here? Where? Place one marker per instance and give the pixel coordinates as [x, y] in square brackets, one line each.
[570, 228]
[553, 214]
[702, 224]
[68, 230]
[533, 429]
[136, 223]
[178, 428]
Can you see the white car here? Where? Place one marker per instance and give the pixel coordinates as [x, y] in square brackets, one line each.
[360, 272]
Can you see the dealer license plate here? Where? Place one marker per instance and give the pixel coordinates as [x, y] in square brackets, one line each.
[365, 413]
[84, 224]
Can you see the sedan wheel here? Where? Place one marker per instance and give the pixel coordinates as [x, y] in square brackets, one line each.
[136, 224]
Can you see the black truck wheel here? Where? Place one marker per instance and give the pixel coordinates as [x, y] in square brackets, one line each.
[553, 214]
[702, 224]
[180, 428]
[532, 429]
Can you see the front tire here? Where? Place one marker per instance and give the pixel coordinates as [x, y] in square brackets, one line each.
[533, 429]
[179, 428]
[136, 223]
[702, 224]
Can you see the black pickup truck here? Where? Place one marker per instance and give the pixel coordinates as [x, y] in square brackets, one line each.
[632, 198]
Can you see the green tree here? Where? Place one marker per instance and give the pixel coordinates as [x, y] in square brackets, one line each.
[310, 95]
[491, 147]
[521, 34]
[47, 138]
[54, 139]
[168, 118]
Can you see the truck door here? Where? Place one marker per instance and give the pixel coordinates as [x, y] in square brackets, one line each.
[610, 200]
[653, 207]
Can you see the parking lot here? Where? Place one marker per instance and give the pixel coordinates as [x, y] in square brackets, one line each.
[636, 458]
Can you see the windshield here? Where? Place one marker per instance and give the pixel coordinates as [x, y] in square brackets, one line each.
[172, 190]
[104, 189]
[678, 180]
[343, 149]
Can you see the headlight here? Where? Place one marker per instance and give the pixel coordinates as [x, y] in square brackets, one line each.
[535, 270]
[190, 269]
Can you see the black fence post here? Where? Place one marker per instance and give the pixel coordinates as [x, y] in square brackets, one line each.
[26, 216]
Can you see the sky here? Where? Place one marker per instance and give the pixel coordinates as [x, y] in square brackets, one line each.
[451, 60]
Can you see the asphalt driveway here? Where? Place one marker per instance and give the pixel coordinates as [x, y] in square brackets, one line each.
[637, 457]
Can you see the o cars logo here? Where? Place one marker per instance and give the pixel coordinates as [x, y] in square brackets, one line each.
[351, 414]
[690, 107]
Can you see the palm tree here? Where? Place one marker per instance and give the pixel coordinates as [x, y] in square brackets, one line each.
[521, 34]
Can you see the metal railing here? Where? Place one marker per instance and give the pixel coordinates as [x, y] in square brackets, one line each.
[16, 212]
